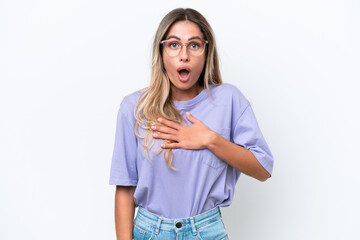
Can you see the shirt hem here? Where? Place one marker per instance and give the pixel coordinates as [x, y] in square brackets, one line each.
[123, 182]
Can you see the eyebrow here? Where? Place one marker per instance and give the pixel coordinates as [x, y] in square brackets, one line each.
[192, 38]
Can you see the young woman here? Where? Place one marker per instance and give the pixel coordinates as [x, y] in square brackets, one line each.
[182, 142]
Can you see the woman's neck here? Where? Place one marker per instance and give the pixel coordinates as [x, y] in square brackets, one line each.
[185, 95]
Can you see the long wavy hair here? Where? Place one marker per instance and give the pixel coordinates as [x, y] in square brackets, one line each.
[155, 101]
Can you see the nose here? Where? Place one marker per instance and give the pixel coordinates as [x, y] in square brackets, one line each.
[184, 55]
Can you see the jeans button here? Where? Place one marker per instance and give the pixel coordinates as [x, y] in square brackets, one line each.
[178, 224]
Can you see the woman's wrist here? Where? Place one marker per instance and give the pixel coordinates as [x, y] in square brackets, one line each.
[211, 139]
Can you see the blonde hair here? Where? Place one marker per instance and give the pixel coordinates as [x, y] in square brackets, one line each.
[156, 101]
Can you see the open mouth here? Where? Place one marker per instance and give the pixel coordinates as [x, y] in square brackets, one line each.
[184, 74]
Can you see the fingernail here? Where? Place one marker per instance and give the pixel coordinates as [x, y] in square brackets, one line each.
[153, 127]
[159, 119]
[162, 145]
[155, 134]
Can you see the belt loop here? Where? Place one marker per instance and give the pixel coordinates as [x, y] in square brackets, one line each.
[158, 225]
[193, 226]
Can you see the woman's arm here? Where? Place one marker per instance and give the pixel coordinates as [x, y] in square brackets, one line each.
[199, 136]
[124, 212]
[236, 156]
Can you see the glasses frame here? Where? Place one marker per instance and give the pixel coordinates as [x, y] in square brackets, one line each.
[185, 44]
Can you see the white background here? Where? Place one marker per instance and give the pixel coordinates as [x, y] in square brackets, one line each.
[66, 65]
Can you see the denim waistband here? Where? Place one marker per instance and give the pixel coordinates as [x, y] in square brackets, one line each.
[179, 224]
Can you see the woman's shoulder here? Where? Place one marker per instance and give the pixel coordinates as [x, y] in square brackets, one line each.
[133, 97]
[228, 89]
[230, 95]
[130, 100]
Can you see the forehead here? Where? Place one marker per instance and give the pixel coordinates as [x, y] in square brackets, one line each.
[185, 30]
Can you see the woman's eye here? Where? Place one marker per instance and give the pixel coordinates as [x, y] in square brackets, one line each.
[194, 45]
[173, 45]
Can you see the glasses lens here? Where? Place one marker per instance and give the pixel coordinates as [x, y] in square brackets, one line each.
[194, 47]
[172, 47]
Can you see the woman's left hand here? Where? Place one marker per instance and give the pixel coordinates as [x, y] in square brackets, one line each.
[196, 136]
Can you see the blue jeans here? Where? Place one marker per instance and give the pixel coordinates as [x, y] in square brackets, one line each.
[205, 226]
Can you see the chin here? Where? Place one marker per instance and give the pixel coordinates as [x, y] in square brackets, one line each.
[185, 85]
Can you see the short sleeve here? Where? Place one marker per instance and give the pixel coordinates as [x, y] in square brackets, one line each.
[247, 134]
[123, 166]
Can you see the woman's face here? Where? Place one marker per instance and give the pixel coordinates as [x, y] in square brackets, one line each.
[184, 70]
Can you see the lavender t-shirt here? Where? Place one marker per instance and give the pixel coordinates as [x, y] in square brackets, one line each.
[202, 180]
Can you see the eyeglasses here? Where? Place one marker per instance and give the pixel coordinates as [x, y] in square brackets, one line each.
[173, 47]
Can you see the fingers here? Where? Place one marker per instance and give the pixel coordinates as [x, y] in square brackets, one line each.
[165, 136]
[169, 123]
[169, 131]
[190, 117]
[164, 129]
[171, 145]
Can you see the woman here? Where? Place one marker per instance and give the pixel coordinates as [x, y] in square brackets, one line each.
[182, 142]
